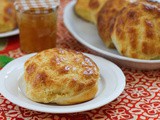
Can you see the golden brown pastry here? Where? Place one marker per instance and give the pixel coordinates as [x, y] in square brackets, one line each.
[106, 18]
[136, 32]
[61, 76]
[88, 9]
[7, 16]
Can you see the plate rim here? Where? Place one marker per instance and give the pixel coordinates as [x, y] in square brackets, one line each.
[69, 6]
[11, 98]
[9, 33]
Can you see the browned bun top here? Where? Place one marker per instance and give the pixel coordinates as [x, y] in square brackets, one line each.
[106, 19]
[88, 9]
[136, 32]
[7, 16]
[57, 75]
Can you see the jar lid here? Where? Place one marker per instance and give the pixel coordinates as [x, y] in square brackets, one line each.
[38, 6]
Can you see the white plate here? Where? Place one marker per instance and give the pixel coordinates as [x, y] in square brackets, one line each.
[12, 84]
[87, 34]
[10, 33]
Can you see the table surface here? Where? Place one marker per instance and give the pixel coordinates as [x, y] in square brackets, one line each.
[139, 100]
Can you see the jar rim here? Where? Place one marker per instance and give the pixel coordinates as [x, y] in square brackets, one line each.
[40, 6]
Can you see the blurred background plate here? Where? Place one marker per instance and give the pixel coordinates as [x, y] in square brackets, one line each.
[87, 34]
[10, 33]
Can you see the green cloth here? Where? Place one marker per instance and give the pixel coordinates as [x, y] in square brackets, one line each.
[4, 60]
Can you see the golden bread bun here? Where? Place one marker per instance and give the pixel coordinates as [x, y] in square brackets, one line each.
[61, 76]
[88, 9]
[106, 18]
[7, 16]
[136, 32]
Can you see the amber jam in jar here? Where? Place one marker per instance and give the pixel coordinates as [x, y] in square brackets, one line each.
[38, 27]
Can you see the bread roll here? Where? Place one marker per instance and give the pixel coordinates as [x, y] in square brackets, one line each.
[7, 16]
[88, 9]
[136, 31]
[106, 19]
[61, 76]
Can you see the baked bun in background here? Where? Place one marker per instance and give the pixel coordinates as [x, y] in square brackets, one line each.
[136, 31]
[61, 76]
[88, 9]
[7, 16]
[106, 19]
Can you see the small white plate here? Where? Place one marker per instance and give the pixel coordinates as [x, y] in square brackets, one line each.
[10, 33]
[87, 34]
[12, 84]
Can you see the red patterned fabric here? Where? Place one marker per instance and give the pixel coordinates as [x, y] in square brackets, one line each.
[139, 101]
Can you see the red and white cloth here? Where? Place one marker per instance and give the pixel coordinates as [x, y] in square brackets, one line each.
[140, 99]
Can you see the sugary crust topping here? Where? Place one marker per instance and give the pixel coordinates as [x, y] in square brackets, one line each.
[7, 16]
[106, 19]
[71, 70]
[94, 4]
[136, 31]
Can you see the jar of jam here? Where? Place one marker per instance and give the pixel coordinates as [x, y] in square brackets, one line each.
[37, 22]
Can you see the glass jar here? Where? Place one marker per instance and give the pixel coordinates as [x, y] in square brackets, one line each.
[37, 25]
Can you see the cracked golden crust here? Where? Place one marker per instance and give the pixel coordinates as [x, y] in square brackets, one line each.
[61, 76]
[88, 9]
[7, 16]
[106, 19]
[136, 31]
